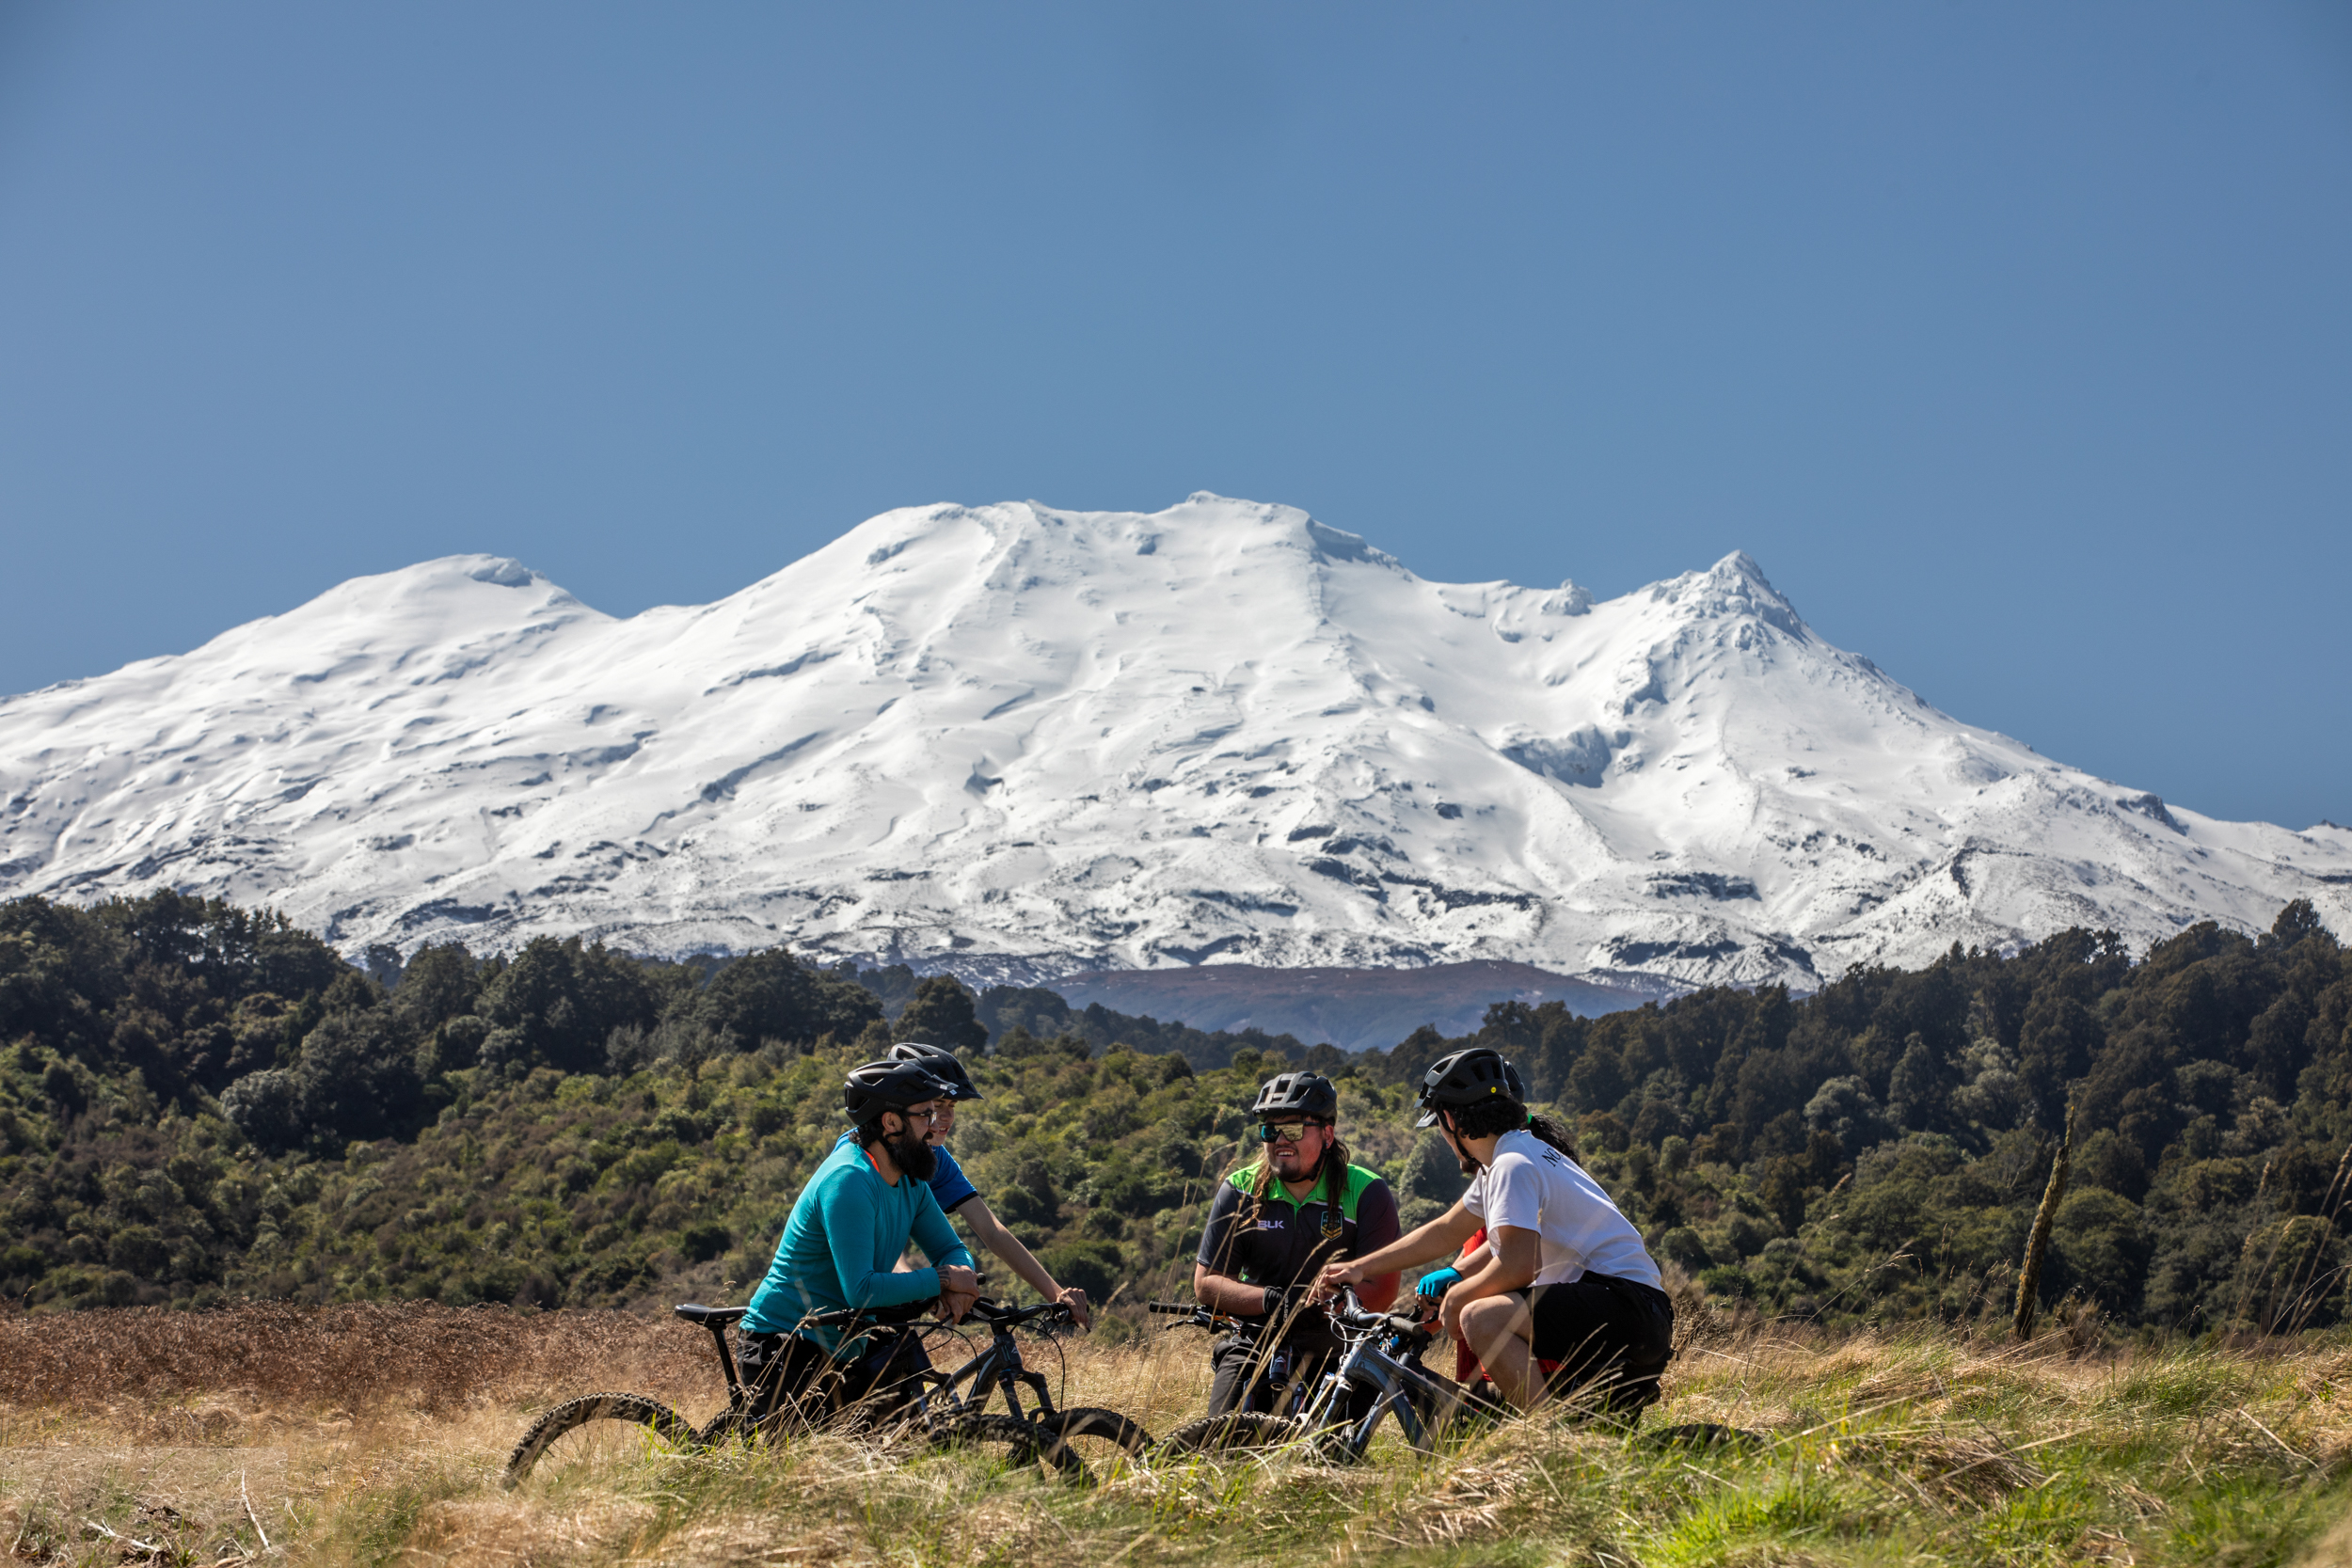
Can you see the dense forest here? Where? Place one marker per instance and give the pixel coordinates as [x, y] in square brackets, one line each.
[199, 1102]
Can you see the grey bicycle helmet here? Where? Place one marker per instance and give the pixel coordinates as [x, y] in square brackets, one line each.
[1466, 1078]
[1298, 1094]
[888, 1086]
[942, 1064]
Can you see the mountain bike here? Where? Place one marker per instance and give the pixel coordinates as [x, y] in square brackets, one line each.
[1236, 1428]
[1379, 1376]
[1063, 1440]
[922, 1404]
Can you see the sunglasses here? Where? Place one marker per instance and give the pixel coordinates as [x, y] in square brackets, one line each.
[1285, 1132]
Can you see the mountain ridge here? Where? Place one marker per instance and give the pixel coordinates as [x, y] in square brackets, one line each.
[1020, 743]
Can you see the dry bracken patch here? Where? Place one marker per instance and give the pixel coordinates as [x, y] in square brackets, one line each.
[377, 1434]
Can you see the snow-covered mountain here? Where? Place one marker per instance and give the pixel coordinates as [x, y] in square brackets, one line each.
[1017, 743]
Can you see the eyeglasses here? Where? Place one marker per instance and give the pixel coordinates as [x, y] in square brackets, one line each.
[929, 1118]
[1285, 1132]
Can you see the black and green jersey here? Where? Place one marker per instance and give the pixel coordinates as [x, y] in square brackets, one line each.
[1272, 1241]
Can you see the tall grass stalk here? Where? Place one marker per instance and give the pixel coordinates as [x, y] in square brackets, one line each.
[376, 1437]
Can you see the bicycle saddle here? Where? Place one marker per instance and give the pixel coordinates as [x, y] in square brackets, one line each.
[710, 1316]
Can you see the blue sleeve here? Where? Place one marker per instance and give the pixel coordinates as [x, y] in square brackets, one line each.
[949, 1185]
[853, 1224]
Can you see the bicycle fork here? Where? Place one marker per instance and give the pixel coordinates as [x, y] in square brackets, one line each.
[1364, 1373]
[1011, 1371]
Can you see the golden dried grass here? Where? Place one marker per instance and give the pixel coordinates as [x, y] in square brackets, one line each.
[420, 1353]
[376, 1435]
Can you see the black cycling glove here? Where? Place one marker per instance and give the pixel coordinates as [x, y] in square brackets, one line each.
[1277, 1297]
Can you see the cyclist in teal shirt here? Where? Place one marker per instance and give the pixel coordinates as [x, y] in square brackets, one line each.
[866, 1200]
[958, 1196]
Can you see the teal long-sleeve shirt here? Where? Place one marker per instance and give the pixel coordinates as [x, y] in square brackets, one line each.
[844, 1241]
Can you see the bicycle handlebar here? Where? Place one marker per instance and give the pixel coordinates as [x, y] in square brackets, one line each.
[1349, 1313]
[996, 1312]
[1194, 1315]
[1378, 1323]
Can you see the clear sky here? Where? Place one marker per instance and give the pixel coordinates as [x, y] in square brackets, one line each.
[2015, 341]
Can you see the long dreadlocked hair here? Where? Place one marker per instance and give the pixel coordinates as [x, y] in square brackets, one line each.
[1332, 1173]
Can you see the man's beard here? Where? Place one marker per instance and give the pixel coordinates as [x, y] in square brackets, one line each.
[914, 1155]
[1303, 1169]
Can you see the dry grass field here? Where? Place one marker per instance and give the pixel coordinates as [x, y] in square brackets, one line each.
[376, 1435]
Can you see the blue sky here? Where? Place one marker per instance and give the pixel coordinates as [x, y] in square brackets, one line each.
[2014, 341]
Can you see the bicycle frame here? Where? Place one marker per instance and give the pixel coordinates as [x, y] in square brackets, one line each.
[1379, 1361]
[999, 1368]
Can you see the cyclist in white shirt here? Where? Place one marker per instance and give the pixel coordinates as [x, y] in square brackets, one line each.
[1563, 1281]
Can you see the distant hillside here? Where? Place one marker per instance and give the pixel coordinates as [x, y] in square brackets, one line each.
[197, 1103]
[1356, 1010]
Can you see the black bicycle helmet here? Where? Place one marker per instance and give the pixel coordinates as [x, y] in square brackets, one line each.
[941, 1062]
[1466, 1078]
[1298, 1094]
[888, 1086]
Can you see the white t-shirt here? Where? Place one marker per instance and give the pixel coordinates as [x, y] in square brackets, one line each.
[1532, 1186]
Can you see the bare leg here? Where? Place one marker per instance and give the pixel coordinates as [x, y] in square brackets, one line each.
[1499, 1329]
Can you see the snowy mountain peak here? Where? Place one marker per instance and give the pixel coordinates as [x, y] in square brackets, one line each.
[1019, 742]
[1734, 586]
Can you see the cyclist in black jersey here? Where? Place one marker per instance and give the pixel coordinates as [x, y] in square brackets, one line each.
[1274, 1224]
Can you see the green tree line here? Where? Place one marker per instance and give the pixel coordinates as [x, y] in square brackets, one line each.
[199, 1102]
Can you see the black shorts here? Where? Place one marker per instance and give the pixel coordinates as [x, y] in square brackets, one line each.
[784, 1366]
[1610, 1337]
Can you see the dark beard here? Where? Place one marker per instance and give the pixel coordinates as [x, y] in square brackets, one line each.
[913, 1155]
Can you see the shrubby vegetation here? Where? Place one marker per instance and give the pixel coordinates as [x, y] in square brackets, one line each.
[1877, 1150]
[199, 1102]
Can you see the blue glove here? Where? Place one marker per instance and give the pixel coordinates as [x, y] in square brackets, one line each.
[1436, 1283]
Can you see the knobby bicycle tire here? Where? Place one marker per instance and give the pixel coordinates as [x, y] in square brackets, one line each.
[1238, 1432]
[630, 1409]
[1013, 1444]
[725, 1427]
[1061, 1431]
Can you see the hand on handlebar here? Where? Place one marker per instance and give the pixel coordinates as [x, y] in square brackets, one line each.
[1435, 1283]
[959, 1288]
[1335, 1277]
[1081, 1311]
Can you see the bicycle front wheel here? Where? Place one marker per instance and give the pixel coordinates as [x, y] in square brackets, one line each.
[596, 1433]
[1087, 1441]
